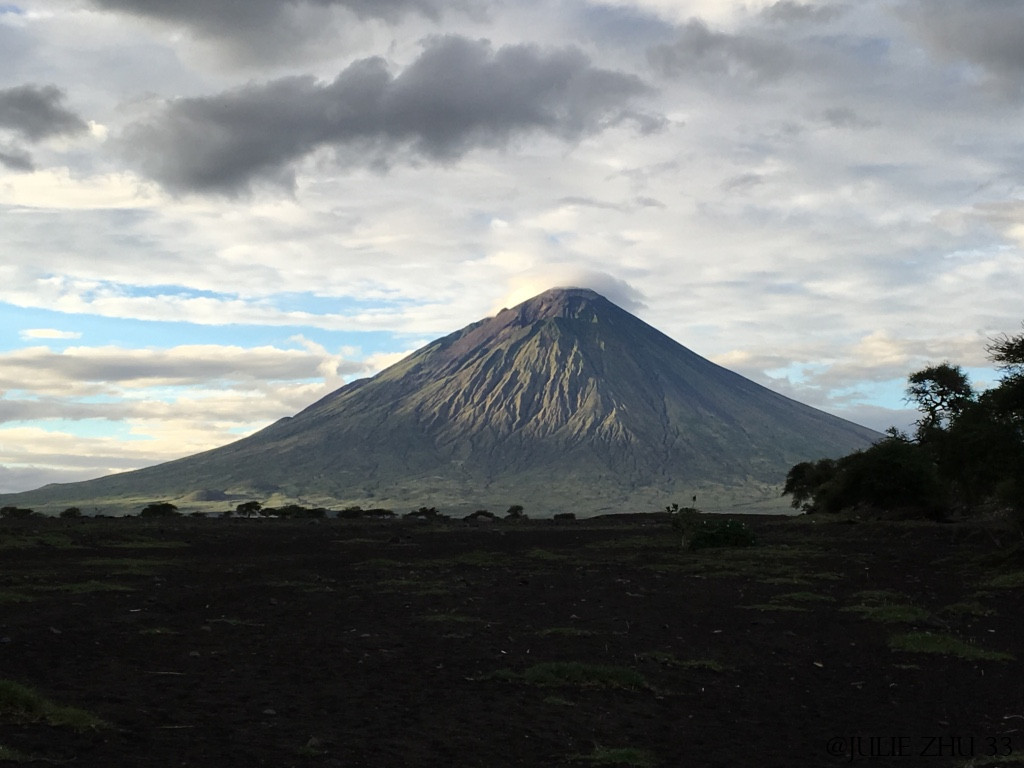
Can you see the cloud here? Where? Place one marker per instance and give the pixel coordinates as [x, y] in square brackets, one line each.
[457, 96]
[986, 33]
[86, 412]
[48, 333]
[699, 50]
[225, 17]
[790, 12]
[844, 117]
[255, 31]
[37, 112]
[15, 159]
[85, 370]
[56, 469]
[269, 33]
[528, 284]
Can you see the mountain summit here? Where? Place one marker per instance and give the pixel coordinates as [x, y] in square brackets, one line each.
[565, 401]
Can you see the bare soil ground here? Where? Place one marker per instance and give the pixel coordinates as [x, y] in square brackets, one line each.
[336, 643]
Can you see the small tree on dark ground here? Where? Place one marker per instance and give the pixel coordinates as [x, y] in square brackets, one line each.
[159, 509]
[424, 513]
[248, 508]
[515, 512]
[71, 512]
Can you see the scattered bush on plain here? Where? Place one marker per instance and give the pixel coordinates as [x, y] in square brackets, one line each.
[160, 509]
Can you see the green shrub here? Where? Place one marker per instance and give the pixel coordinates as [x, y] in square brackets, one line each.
[19, 704]
[926, 642]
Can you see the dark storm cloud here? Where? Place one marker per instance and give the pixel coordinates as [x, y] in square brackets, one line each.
[987, 33]
[457, 96]
[700, 50]
[260, 30]
[37, 112]
[230, 17]
[16, 160]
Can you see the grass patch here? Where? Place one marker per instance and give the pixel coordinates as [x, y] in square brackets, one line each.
[887, 607]
[1011, 580]
[775, 607]
[415, 586]
[381, 562]
[9, 597]
[926, 642]
[669, 660]
[8, 755]
[323, 585]
[543, 554]
[82, 587]
[128, 566]
[455, 618]
[802, 597]
[790, 601]
[778, 564]
[890, 614]
[574, 674]
[20, 704]
[565, 632]
[968, 608]
[232, 622]
[880, 597]
[632, 756]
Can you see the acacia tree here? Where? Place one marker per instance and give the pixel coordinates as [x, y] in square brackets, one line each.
[941, 392]
[249, 508]
[159, 509]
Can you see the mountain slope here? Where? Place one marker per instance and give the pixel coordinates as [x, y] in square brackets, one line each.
[564, 398]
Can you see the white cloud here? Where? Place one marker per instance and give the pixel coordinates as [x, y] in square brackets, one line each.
[95, 369]
[48, 333]
[57, 188]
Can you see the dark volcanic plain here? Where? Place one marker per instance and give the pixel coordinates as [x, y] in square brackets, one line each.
[285, 643]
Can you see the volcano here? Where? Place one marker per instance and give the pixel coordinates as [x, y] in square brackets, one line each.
[565, 402]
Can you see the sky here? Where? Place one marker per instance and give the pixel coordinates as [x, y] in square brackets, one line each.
[214, 212]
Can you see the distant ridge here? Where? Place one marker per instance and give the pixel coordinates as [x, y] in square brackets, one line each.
[565, 401]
